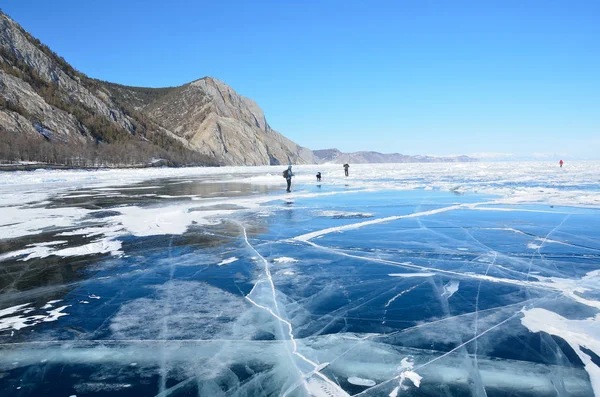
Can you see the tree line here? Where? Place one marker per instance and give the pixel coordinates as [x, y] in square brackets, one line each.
[112, 144]
[15, 148]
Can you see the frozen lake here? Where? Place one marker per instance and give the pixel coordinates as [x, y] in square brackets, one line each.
[408, 279]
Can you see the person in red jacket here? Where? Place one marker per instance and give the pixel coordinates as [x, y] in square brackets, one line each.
[561, 163]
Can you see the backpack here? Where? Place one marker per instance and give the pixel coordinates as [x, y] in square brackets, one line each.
[286, 174]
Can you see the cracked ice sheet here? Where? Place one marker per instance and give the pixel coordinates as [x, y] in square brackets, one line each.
[334, 303]
[579, 334]
[348, 357]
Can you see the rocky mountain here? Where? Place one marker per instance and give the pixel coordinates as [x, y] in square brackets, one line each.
[52, 113]
[217, 122]
[337, 157]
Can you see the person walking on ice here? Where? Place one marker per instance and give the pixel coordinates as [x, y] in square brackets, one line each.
[346, 166]
[561, 163]
[288, 174]
[318, 177]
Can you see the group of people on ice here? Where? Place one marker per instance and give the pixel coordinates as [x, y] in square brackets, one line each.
[288, 174]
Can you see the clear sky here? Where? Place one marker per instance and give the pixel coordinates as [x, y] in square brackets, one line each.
[415, 77]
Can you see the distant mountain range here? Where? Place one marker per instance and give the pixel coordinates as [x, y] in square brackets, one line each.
[337, 157]
[52, 113]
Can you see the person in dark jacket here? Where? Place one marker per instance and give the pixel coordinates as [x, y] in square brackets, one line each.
[346, 166]
[318, 177]
[288, 174]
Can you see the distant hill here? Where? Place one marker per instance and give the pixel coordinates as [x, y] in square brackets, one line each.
[337, 157]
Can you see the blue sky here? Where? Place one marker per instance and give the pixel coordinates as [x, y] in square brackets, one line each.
[415, 77]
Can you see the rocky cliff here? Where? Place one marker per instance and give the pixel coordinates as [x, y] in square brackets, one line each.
[217, 122]
[46, 105]
[337, 157]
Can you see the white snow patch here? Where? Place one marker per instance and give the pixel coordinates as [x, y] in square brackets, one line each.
[20, 321]
[49, 243]
[285, 259]
[50, 304]
[361, 381]
[13, 309]
[22, 221]
[343, 214]
[450, 288]
[34, 251]
[406, 363]
[406, 372]
[410, 275]
[97, 247]
[43, 250]
[414, 377]
[228, 261]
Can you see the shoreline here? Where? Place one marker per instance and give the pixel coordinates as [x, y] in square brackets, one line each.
[33, 167]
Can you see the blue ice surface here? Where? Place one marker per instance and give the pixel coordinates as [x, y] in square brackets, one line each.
[341, 286]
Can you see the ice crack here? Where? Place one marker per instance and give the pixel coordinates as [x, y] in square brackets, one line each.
[328, 383]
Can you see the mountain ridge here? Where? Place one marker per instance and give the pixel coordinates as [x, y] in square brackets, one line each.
[335, 156]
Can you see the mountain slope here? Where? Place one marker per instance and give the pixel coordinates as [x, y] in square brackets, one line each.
[217, 122]
[336, 157]
[51, 112]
